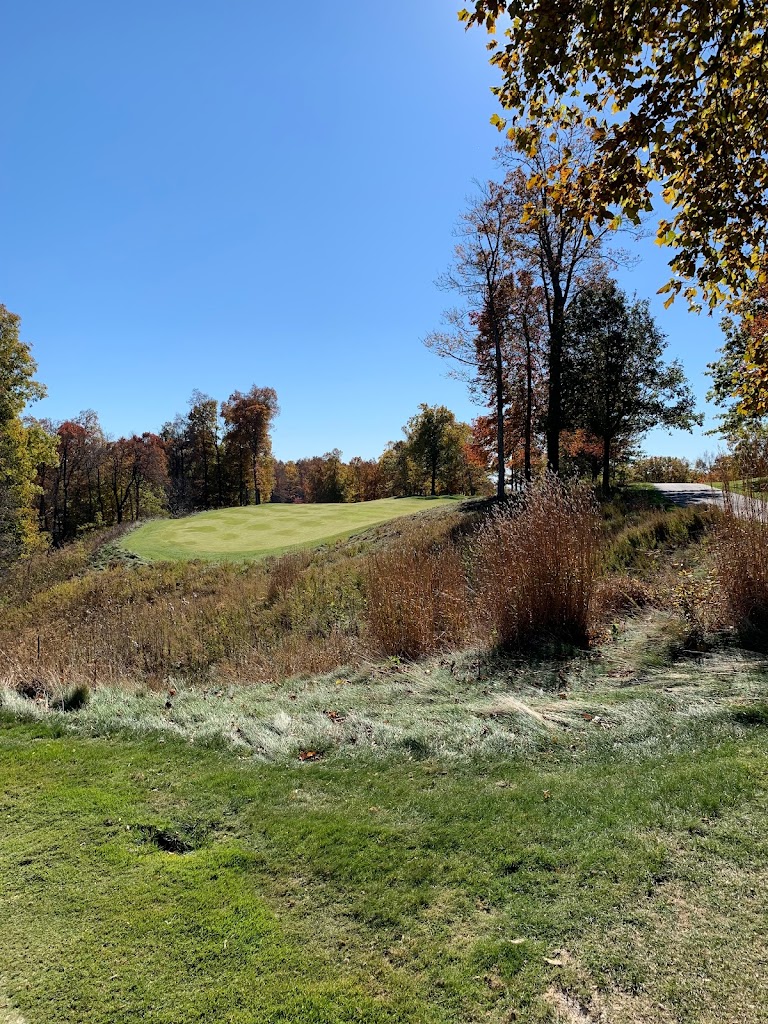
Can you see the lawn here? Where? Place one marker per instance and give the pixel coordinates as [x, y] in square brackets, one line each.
[166, 883]
[242, 533]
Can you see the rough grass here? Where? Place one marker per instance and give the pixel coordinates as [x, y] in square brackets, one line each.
[244, 533]
[741, 558]
[410, 587]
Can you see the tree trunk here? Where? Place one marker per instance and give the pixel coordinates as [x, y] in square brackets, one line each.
[555, 404]
[501, 469]
[606, 466]
[527, 440]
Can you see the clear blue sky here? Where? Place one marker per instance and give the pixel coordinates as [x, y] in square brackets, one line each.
[209, 196]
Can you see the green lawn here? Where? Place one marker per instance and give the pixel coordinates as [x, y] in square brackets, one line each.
[146, 881]
[241, 533]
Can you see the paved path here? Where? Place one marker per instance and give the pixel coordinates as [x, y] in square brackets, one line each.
[687, 495]
[691, 494]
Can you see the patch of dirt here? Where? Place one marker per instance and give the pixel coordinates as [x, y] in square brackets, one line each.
[615, 1008]
[569, 1010]
[169, 840]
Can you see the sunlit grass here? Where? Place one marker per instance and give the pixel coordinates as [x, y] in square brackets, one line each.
[242, 533]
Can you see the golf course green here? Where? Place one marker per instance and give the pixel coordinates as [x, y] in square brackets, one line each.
[256, 530]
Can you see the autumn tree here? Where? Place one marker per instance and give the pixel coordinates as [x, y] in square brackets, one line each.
[73, 493]
[365, 480]
[555, 238]
[673, 95]
[287, 482]
[481, 265]
[398, 469]
[616, 380]
[740, 382]
[23, 446]
[528, 245]
[526, 373]
[248, 444]
[137, 473]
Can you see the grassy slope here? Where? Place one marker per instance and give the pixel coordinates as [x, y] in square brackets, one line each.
[580, 840]
[238, 533]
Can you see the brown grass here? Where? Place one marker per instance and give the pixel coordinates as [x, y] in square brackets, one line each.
[417, 600]
[741, 559]
[536, 566]
[405, 592]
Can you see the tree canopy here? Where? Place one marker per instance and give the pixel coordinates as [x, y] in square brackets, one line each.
[674, 96]
[22, 446]
[616, 381]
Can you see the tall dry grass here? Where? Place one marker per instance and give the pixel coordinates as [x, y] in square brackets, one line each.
[536, 566]
[417, 600]
[404, 590]
[741, 560]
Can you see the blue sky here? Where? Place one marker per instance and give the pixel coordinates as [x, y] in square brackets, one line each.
[211, 196]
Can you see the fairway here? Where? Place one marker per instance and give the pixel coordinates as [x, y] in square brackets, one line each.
[241, 533]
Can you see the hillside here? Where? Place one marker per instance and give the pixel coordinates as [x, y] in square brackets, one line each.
[552, 833]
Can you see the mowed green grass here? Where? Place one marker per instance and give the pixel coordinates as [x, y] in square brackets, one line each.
[391, 891]
[241, 533]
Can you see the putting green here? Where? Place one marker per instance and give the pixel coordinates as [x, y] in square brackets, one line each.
[241, 533]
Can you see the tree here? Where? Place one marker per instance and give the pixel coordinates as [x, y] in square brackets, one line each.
[673, 94]
[429, 440]
[740, 383]
[616, 381]
[248, 418]
[740, 375]
[662, 469]
[205, 450]
[555, 238]
[398, 469]
[529, 244]
[23, 447]
[481, 265]
[137, 471]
